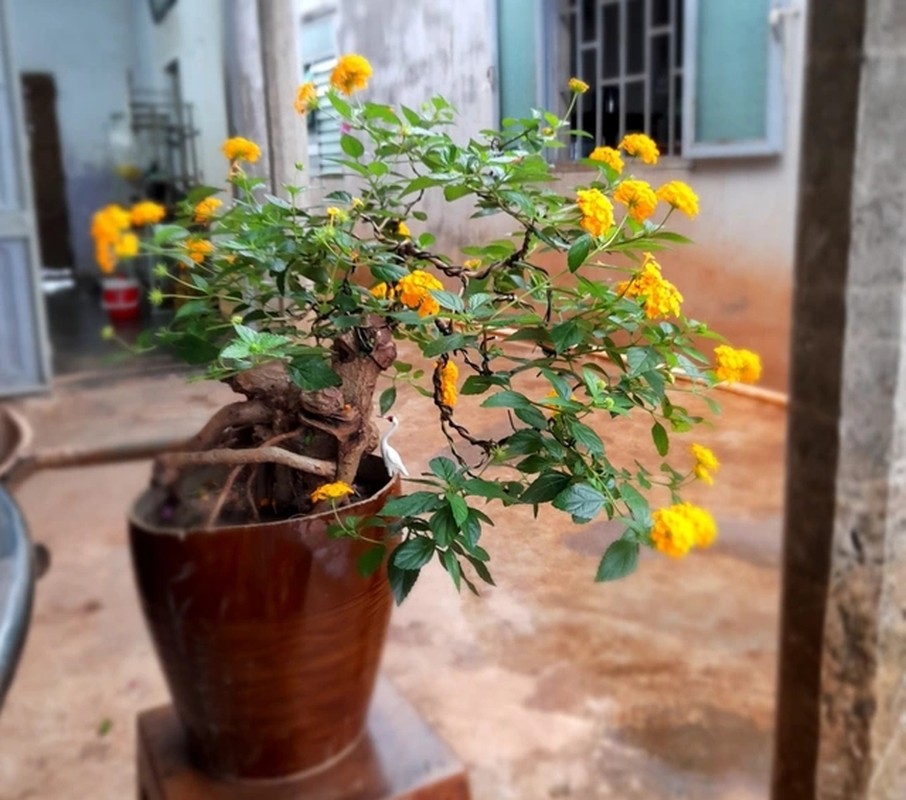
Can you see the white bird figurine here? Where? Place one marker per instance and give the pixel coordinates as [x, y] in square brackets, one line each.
[392, 459]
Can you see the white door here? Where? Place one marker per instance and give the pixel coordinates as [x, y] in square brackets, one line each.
[24, 363]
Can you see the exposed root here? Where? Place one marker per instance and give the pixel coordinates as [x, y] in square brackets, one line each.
[253, 455]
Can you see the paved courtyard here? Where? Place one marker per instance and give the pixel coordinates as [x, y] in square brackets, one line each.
[548, 686]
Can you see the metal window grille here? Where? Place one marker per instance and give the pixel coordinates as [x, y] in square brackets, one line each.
[630, 54]
[319, 57]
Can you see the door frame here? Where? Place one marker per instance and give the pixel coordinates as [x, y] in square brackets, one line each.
[19, 222]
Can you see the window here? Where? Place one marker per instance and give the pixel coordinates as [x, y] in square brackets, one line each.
[319, 57]
[630, 53]
[701, 77]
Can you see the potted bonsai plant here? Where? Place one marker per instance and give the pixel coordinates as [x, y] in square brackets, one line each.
[117, 232]
[268, 549]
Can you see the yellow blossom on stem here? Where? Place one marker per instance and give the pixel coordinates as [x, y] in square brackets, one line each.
[337, 215]
[705, 463]
[680, 196]
[415, 292]
[306, 97]
[351, 73]
[638, 197]
[108, 225]
[734, 365]
[198, 249]
[577, 86]
[403, 230]
[331, 491]
[640, 146]
[680, 527]
[126, 246]
[447, 375]
[206, 209]
[597, 211]
[609, 157]
[662, 298]
[472, 263]
[146, 213]
[240, 149]
[382, 291]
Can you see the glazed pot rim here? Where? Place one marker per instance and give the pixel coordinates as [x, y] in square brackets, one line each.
[137, 520]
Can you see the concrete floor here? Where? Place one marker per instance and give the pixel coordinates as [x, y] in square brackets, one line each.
[548, 686]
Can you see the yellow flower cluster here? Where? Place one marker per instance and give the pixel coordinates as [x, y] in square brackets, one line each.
[597, 211]
[336, 215]
[331, 491]
[383, 292]
[415, 292]
[108, 229]
[198, 249]
[577, 86]
[146, 213]
[609, 157]
[126, 246]
[237, 149]
[306, 97]
[206, 209]
[448, 373]
[680, 196]
[640, 146]
[705, 463]
[638, 197]
[735, 365]
[662, 298]
[403, 230]
[680, 527]
[351, 73]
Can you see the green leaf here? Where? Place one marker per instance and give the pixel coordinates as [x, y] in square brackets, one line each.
[401, 581]
[443, 468]
[455, 191]
[451, 564]
[312, 373]
[587, 438]
[532, 416]
[448, 300]
[459, 508]
[342, 107]
[443, 526]
[481, 570]
[620, 559]
[410, 505]
[387, 399]
[637, 505]
[351, 146]
[507, 399]
[659, 436]
[523, 443]
[578, 252]
[479, 384]
[545, 488]
[565, 335]
[193, 349]
[581, 500]
[370, 561]
[443, 344]
[414, 553]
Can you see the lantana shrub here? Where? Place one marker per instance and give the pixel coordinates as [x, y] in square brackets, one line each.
[299, 306]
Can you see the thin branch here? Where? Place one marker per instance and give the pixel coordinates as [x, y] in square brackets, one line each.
[257, 455]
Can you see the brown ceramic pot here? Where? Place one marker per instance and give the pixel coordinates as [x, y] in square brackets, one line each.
[268, 636]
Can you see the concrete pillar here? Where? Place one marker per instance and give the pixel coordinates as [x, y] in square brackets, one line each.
[841, 722]
[282, 69]
[246, 81]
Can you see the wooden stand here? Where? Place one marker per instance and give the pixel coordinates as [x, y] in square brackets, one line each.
[399, 758]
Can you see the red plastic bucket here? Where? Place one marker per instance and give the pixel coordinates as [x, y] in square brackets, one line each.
[120, 298]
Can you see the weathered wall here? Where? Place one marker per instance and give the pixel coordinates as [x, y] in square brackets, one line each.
[738, 275]
[88, 47]
[193, 33]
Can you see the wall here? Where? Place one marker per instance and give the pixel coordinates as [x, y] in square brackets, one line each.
[88, 47]
[738, 275]
[193, 33]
